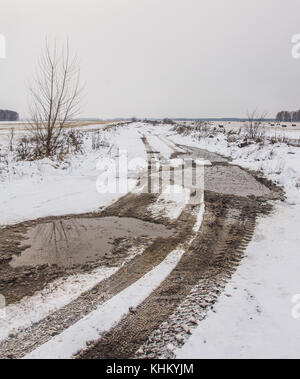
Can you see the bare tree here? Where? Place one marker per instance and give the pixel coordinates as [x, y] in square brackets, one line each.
[55, 98]
[11, 139]
[255, 128]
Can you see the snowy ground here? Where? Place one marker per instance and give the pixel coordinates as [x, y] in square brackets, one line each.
[30, 190]
[257, 316]
[254, 316]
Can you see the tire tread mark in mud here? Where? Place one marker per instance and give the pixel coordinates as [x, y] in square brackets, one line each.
[201, 262]
[131, 206]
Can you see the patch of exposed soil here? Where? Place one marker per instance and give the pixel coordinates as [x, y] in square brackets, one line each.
[233, 180]
[17, 282]
[153, 254]
[75, 242]
[215, 252]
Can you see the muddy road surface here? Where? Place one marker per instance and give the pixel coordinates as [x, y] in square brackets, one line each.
[34, 254]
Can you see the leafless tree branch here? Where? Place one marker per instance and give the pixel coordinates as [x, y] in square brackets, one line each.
[255, 128]
[55, 95]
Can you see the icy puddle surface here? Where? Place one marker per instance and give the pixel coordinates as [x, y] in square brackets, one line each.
[67, 243]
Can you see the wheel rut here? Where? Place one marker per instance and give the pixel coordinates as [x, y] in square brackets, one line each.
[163, 320]
[211, 257]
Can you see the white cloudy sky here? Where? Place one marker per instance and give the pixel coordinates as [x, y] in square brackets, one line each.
[160, 58]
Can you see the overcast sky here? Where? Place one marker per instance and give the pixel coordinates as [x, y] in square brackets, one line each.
[160, 58]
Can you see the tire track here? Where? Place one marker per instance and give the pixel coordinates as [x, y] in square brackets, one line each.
[206, 266]
[162, 321]
[17, 346]
[202, 263]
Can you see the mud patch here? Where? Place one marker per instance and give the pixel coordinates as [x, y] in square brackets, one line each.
[233, 180]
[18, 282]
[224, 178]
[68, 243]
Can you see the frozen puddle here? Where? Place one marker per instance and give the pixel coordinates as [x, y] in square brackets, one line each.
[67, 243]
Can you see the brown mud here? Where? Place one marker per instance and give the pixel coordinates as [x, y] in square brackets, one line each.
[74, 242]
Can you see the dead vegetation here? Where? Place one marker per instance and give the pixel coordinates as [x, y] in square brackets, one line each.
[55, 97]
[30, 148]
[255, 127]
[253, 132]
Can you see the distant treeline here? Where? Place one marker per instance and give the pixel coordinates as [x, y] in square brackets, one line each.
[287, 116]
[6, 115]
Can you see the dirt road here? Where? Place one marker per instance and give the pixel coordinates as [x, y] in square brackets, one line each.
[234, 198]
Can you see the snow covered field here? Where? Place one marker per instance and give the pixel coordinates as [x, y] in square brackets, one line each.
[254, 318]
[42, 188]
